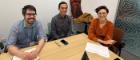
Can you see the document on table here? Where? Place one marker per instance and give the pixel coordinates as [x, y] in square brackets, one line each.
[17, 58]
[98, 49]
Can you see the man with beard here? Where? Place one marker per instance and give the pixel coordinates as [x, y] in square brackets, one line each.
[25, 33]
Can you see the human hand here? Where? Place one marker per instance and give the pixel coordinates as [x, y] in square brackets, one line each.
[109, 42]
[34, 54]
[25, 55]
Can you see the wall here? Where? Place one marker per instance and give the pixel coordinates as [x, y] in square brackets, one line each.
[10, 11]
[91, 5]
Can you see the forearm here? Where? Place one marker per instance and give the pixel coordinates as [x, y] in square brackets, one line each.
[100, 41]
[13, 50]
[92, 37]
[40, 45]
[54, 34]
[70, 33]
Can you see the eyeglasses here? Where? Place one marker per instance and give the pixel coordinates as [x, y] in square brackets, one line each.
[102, 13]
[30, 14]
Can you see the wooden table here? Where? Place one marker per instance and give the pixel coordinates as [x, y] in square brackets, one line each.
[55, 50]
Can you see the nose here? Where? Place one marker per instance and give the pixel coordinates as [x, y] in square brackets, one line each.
[101, 14]
[31, 16]
[64, 9]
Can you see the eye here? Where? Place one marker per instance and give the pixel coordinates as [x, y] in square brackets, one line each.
[64, 7]
[102, 13]
[29, 14]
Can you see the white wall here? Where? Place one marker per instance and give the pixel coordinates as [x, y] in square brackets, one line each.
[10, 11]
[91, 5]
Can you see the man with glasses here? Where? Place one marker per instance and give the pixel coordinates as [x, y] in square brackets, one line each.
[25, 33]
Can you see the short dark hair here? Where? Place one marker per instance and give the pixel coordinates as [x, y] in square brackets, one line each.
[101, 7]
[62, 2]
[26, 7]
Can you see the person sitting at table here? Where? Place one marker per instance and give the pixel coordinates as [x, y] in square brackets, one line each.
[61, 24]
[101, 29]
[25, 33]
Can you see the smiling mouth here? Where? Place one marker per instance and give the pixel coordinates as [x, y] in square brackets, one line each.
[31, 19]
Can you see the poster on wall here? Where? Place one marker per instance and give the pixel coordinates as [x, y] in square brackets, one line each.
[76, 8]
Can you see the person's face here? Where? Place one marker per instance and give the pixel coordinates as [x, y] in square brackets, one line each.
[102, 14]
[63, 9]
[30, 16]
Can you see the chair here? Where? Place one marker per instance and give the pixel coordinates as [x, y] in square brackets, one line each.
[49, 36]
[117, 36]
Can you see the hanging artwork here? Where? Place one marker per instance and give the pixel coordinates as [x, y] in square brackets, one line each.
[76, 8]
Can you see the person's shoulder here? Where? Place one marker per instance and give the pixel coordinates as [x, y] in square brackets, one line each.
[68, 16]
[18, 23]
[109, 22]
[37, 22]
[94, 20]
[17, 26]
[55, 16]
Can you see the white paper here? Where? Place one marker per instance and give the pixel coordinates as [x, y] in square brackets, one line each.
[17, 58]
[98, 49]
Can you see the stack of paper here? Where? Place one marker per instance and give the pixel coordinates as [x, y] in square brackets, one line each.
[98, 49]
[17, 58]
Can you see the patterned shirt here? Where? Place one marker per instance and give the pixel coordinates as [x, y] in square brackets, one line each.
[22, 36]
[61, 26]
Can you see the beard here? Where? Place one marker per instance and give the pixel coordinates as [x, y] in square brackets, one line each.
[31, 21]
